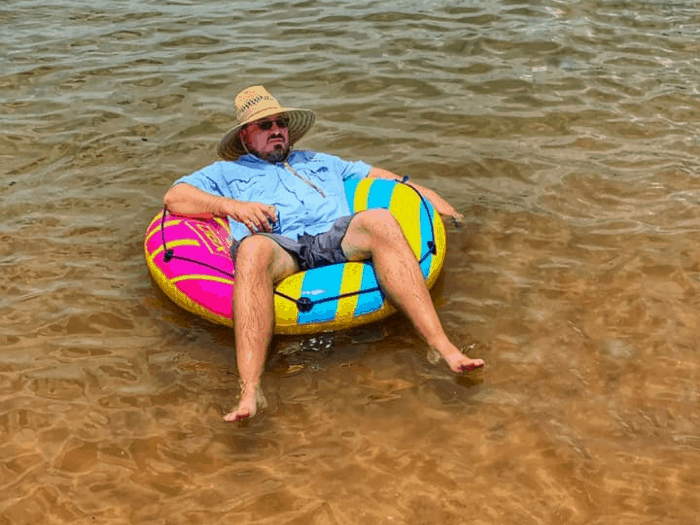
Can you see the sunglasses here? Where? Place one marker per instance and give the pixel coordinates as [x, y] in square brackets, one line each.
[265, 125]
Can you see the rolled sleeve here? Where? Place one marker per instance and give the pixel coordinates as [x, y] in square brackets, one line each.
[355, 170]
[209, 179]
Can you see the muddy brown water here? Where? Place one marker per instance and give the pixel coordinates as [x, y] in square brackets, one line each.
[566, 132]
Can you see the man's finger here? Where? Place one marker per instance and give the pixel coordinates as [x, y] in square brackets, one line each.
[262, 221]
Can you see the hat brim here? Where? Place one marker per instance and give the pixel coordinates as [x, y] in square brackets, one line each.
[300, 121]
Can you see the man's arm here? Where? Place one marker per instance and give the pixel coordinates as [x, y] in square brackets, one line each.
[188, 201]
[440, 204]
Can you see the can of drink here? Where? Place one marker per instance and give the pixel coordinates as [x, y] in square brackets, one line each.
[277, 224]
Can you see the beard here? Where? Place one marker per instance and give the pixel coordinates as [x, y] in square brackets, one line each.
[278, 154]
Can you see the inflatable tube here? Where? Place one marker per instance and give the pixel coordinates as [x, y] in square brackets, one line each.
[190, 261]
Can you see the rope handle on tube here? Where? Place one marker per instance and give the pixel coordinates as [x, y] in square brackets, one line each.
[305, 304]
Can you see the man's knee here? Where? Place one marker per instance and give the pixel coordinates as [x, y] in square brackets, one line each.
[375, 220]
[255, 248]
[371, 230]
[261, 254]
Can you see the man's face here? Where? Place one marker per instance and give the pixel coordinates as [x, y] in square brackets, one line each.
[268, 138]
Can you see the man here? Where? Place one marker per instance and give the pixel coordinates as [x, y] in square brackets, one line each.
[288, 212]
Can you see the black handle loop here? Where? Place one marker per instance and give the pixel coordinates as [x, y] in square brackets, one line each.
[169, 253]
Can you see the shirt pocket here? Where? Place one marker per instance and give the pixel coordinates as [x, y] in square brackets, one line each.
[255, 187]
[325, 179]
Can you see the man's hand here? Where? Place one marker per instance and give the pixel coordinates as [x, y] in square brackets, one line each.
[256, 216]
[444, 208]
[440, 204]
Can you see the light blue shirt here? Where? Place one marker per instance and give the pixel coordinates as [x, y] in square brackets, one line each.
[301, 208]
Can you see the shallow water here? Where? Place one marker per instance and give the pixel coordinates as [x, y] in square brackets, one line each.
[566, 132]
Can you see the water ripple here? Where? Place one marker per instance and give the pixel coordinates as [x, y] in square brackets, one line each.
[566, 132]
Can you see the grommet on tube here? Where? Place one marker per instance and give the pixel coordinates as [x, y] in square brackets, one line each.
[405, 179]
[304, 304]
[168, 255]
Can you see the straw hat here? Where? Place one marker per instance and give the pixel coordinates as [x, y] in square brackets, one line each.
[254, 103]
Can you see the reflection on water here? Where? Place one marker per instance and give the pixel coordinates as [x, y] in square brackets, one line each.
[566, 132]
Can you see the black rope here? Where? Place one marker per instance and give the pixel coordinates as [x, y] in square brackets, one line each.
[169, 253]
[309, 304]
[304, 304]
[432, 248]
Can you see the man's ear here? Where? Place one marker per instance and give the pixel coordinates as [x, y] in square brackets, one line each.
[243, 135]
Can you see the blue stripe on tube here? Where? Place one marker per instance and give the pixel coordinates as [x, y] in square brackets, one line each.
[320, 283]
[426, 234]
[350, 188]
[372, 301]
[380, 194]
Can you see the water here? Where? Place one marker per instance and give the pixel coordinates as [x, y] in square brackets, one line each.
[566, 132]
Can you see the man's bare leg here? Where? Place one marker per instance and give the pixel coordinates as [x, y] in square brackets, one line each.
[260, 264]
[376, 235]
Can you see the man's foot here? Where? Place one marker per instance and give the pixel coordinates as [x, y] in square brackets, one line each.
[251, 400]
[456, 360]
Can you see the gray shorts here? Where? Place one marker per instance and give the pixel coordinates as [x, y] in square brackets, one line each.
[312, 251]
